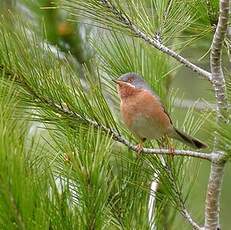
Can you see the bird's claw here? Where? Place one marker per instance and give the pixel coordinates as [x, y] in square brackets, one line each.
[139, 149]
[171, 151]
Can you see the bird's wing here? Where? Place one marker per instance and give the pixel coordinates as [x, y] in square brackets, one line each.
[166, 113]
[164, 109]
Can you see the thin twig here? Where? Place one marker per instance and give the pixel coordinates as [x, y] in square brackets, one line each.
[152, 41]
[212, 206]
[152, 199]
[182, 208]
[188, 217]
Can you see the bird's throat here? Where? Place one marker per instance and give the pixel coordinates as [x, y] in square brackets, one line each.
[126, 91]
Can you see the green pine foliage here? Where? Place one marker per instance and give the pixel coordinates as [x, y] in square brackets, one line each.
[60, 164]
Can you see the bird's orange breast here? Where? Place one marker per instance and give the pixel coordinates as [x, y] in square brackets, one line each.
[144, 115]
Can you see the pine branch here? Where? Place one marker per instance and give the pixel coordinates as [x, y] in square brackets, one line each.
[217, 167]
[216, 77]
[152, 41]
[64, 111]
[188, 217]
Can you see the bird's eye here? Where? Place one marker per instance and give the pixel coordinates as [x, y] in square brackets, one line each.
[129, 80]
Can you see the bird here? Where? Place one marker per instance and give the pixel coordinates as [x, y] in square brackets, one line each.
[144, 114]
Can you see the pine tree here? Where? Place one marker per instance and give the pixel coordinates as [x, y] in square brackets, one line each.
[67, 160]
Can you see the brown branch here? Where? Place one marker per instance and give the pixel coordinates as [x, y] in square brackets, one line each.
[218, 79]
[213, 195]
[212, 206]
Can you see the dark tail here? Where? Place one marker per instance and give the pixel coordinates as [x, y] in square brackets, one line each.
[188, 140]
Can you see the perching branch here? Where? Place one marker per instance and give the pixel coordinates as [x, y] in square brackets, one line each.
[115, 135]
[152, 41]
[212, 207]
[121, 139]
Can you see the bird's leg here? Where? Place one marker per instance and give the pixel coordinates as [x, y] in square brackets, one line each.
[170, 146]
[139, 147]
[165, 142]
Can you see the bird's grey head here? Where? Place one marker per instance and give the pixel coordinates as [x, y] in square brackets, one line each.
[135, 80]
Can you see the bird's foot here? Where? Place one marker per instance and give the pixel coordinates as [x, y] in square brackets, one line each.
[139, 148]
[171, 151]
